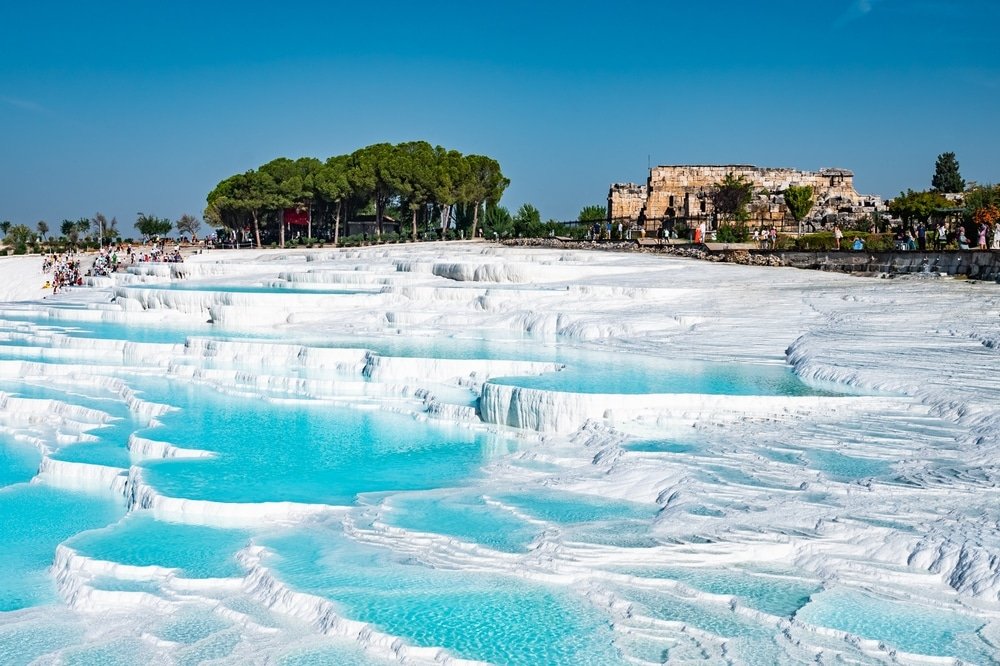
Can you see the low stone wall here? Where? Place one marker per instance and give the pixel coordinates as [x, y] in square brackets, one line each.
[980, 265]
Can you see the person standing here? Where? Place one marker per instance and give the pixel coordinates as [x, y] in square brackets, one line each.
[942, 236]
[996, 236]
[983, 230]
[922, 237]
[838, 235]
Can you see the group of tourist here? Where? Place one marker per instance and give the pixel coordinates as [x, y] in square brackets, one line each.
[920, 236]
[766, 238]
[609, 231]
[66, 270]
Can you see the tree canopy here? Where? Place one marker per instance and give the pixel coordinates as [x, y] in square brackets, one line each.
[913, 206]
[408, 180]
[731, 196]
[946, 175]
[150, 225]
[982, 204]
[799, 200]
[593, 213]
[188, 224]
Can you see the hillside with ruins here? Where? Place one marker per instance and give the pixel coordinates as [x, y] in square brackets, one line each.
[676, 194]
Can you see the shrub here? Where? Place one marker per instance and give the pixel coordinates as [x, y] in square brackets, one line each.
[823, 241]
[732, 233]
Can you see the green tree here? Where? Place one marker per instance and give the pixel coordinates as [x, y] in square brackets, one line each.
[946, 175]
[68, 229]
[333, 188]
[450, 174]
[594, 213]
[527, 221]
[247, 196]
[799, 201]
[99, 223]
[105, 230]
[19, 236]
[43, 228]
[5, 227]
[370, 175]
[981, 198]
[917, 206]
[188, 225]
[731, 196]
[150, 225]
[294, 186]
[83, 226]
[483, 184]
[497, 220]
[414, 175]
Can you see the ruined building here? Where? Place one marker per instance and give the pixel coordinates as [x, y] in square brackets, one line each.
[675, 194]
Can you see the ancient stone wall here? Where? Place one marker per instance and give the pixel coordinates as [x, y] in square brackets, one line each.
[683, 193]
[626, 201]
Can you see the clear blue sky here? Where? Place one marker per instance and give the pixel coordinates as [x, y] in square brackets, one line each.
[122, 107]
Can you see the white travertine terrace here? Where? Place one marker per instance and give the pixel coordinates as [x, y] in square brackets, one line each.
[914, 363]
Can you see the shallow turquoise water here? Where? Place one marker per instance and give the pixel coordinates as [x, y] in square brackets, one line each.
[907, 626]
[341, 656]
[18, 461]
[37, 518]
[842, 467]
[306, 452]
[121, 652]
[563, 507]
[753, 643]
[513, 622]
[777, 596]
[191, 626]
[427, 474]
[464, 517]
[141, 540]
[660, 446]
[110, 446]
[22, 642]
[601, 372]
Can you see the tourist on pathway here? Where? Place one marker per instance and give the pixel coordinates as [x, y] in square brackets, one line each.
[983, 230]
[963, 241]
[942, 236]
[996, 236]
[858, 244]
[838, 235]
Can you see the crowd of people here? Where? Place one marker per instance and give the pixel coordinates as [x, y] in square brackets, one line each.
[938, 237]
[66, 268]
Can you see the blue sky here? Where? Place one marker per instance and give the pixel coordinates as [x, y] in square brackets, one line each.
[122, 107]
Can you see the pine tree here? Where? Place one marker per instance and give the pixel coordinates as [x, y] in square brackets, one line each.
[946, 176]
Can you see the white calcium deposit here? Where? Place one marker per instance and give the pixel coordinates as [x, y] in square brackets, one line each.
[909, 371]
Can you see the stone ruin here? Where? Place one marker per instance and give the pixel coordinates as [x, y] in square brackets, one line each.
[682, 193]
